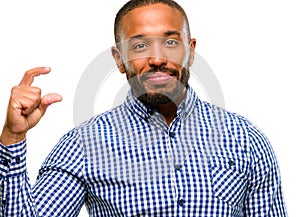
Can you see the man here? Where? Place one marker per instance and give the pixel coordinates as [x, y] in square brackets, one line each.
[163, 152]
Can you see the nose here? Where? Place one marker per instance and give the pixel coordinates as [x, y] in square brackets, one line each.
[157, 56]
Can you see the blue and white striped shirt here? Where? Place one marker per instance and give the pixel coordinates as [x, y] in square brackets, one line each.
[128, 162]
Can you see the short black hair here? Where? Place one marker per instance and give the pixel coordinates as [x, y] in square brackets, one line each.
[133, 4]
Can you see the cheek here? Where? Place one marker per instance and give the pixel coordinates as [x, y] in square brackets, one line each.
[177, 58]
[136, 67]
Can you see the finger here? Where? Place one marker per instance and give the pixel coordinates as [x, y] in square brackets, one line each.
[24, 98]
[28, 105]
[19, 91]
[47, 100]
[29, 75]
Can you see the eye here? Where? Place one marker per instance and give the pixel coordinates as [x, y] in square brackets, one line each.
[171, 43]
[139, 47]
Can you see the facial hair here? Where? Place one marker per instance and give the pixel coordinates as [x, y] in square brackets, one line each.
[155, 99]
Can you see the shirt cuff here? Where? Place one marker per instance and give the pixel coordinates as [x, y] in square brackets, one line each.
[13, 158]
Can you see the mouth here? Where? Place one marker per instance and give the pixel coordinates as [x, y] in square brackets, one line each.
[158, 78]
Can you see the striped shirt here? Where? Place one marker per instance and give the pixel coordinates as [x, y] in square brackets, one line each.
[127, 162]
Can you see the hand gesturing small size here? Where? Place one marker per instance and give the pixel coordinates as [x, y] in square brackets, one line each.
[26, 107]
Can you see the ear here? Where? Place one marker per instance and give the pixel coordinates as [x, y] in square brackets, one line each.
[117, 56]
[192, 51]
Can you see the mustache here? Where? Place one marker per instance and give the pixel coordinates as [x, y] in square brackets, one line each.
[171, 71]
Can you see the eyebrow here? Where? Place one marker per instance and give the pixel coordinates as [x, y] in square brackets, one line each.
[137, 36]
[167, 33]
[172, 32]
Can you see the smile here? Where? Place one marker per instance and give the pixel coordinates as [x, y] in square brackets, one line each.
[158, 78]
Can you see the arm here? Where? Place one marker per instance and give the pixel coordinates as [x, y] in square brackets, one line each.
[59, 190]
[265, 196]
[59, 187]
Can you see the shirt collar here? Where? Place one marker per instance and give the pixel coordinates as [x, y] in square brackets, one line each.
[184, 109]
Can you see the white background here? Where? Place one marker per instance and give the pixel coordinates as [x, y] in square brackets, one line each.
[253, 48]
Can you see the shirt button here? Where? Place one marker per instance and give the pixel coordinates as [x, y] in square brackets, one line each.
[180, 202]
[177, 167]
[231, 163]
[5, 162]
[18, 160]
[150, 112]
[171, 134]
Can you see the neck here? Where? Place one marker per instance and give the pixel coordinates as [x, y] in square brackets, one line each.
[169, 110]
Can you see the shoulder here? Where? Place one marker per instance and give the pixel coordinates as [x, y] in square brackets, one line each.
[240, 128]
[223, 117]
[109, 117]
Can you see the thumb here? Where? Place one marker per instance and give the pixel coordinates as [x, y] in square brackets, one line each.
[47, 100]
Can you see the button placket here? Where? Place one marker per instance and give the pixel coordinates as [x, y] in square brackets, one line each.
[172, 175]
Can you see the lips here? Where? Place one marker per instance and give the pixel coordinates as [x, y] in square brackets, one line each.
[158, 78]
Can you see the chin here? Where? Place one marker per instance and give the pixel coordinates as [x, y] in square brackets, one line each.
[154, 99]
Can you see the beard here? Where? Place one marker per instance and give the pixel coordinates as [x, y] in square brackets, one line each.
[158, 98]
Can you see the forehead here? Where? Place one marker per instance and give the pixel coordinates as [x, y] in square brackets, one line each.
[151, 20]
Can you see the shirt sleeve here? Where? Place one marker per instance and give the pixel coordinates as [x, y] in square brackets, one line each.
[59, 190]
[265, 196]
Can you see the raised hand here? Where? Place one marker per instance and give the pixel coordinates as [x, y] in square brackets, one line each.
[26, 107]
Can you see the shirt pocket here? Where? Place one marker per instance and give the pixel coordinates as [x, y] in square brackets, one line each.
[228, 180]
